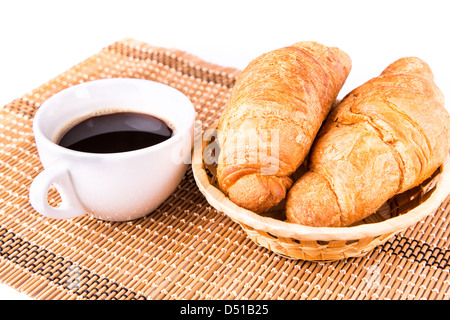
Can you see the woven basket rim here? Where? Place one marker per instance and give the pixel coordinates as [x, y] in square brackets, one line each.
[221, 202]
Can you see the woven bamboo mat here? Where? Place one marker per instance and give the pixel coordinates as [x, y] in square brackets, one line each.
[185, 249]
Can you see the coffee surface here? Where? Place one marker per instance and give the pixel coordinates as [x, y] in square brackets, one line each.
[116, 132]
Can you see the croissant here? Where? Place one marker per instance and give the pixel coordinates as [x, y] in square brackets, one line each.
[270, 120]
[383, 138]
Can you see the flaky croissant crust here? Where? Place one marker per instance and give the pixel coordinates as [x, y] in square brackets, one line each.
[275, 110]
[385, 137]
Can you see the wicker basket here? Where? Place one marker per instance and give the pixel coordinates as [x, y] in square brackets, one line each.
[325, 244]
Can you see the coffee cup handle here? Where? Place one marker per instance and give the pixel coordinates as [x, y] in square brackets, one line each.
[57, 175]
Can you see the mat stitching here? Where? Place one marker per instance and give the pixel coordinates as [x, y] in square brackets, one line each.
[184, 66]
[61, 270]
[430, 255]
[23, 107]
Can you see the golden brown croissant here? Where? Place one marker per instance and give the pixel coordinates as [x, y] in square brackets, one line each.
[384, 137]
[271, 118]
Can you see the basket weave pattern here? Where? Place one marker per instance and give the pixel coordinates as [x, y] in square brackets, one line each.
[301, 242]
[186, 249]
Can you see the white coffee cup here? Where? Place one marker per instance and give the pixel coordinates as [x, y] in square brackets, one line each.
[114, 186]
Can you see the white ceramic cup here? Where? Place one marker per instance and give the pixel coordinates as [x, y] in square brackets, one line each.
[114, 186]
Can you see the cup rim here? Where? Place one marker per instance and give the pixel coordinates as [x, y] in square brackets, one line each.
[177, 135]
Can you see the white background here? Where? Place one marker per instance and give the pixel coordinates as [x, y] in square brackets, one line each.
[41, 39]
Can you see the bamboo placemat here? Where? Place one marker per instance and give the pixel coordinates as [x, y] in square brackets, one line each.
[185, 249]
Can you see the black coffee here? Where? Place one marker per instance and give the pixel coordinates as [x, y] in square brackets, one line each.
[116, 132]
